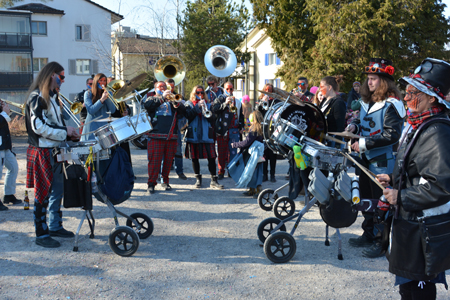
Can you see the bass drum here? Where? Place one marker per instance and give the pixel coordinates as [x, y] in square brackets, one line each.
[338, 213]
[140, 142]
[284, 125]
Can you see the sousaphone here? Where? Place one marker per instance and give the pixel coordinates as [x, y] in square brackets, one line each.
[220, 61]
[170, 67]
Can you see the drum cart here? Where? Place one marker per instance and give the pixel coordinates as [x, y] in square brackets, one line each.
[123, 240]
[286, 125]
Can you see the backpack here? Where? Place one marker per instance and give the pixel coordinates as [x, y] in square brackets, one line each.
[118, 178]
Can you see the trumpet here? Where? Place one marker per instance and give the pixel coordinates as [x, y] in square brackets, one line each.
[174, 97]
[206, 112]
[75, 108]
[231, 106]
[19, 106]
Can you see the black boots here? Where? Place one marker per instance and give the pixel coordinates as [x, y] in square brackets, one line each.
[214, 184]
[11, 199]
[198, 183]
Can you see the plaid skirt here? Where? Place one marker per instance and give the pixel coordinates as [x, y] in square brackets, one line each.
[200, 150]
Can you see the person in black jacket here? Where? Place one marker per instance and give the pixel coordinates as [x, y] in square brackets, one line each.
[162, 141]
[229, 126]
[332, 105]
[422, 188]
[353, 95]
[269, 156]
[8, 158]
[80, 98]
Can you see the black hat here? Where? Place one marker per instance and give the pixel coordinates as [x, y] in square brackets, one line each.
[381, 67]
[432, 77]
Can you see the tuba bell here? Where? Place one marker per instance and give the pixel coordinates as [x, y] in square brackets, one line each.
[220, 61]
[170, 66]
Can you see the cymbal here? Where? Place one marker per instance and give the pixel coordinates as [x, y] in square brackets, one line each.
[346, 134]
[130, 86]
[131, 96]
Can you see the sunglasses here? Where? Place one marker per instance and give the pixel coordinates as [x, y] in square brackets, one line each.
[61, 76]
[210, 83]
[375, 70]
[90, 84]
[198, 93]
[301, 84]
[229, 89]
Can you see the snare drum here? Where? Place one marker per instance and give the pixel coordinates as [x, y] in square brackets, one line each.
[323, 157]
[285, 123]
[141, 123]
[115, 132]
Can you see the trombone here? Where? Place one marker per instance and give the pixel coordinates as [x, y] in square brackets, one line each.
[75, 108]
[113, 87]
[17, 105]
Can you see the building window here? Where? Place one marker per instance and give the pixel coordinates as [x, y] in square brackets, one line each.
[15, 62]
[83, 33]
[39, 28]
[272, 59]
[39, 63]
[83, 67]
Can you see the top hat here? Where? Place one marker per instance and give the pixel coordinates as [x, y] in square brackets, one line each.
[381, 67]
[432, 78]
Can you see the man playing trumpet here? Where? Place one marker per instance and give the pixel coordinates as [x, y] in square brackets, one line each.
[229, 125]
[162, 141]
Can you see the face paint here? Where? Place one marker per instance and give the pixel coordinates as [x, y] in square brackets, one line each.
[159, 92]
[251, 118]
[197, 97]
[99, 86]
[58, 80]
[413, 102]
[323, 90]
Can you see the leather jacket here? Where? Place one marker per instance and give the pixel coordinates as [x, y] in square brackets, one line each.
[427, 180]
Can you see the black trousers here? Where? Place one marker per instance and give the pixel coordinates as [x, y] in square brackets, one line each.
[413, 291]
[270, 158]
[211, 166]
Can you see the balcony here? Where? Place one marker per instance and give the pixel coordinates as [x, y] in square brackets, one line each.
[15, 80]
[15, 40]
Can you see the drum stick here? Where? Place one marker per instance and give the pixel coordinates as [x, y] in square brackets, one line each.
[334, 139]
[93, 120]
[370, 174]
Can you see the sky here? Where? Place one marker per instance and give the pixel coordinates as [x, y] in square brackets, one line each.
[141, 20]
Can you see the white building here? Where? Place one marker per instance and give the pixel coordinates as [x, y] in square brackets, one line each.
[75, 33]
[261, 68]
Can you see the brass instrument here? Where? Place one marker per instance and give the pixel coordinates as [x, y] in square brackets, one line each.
[265, 105]
[174, 97]
[220, 61]
[75, 108]
[20, 106]
[170, 66]
[232, 107]
[206, 112]
[283, 95]
[114, 86]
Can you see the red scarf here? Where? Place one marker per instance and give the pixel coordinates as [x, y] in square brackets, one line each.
[417, 119]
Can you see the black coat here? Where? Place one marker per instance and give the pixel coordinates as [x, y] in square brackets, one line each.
[5, 134]
[426, 185]
[335, 114]
[353, 95]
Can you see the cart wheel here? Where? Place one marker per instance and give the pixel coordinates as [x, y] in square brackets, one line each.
[123, 241]
[280, 247]
[266, 199]
[266, 227]
[145, 222]
[284, 207]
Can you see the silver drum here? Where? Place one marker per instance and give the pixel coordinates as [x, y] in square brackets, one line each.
[115, 132]
[141, 123]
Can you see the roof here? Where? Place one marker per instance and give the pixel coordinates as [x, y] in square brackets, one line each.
[38, 8]
[44, 9]
[133, 45]
[115, 17]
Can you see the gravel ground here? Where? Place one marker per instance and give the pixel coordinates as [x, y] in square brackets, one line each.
[204, 246]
